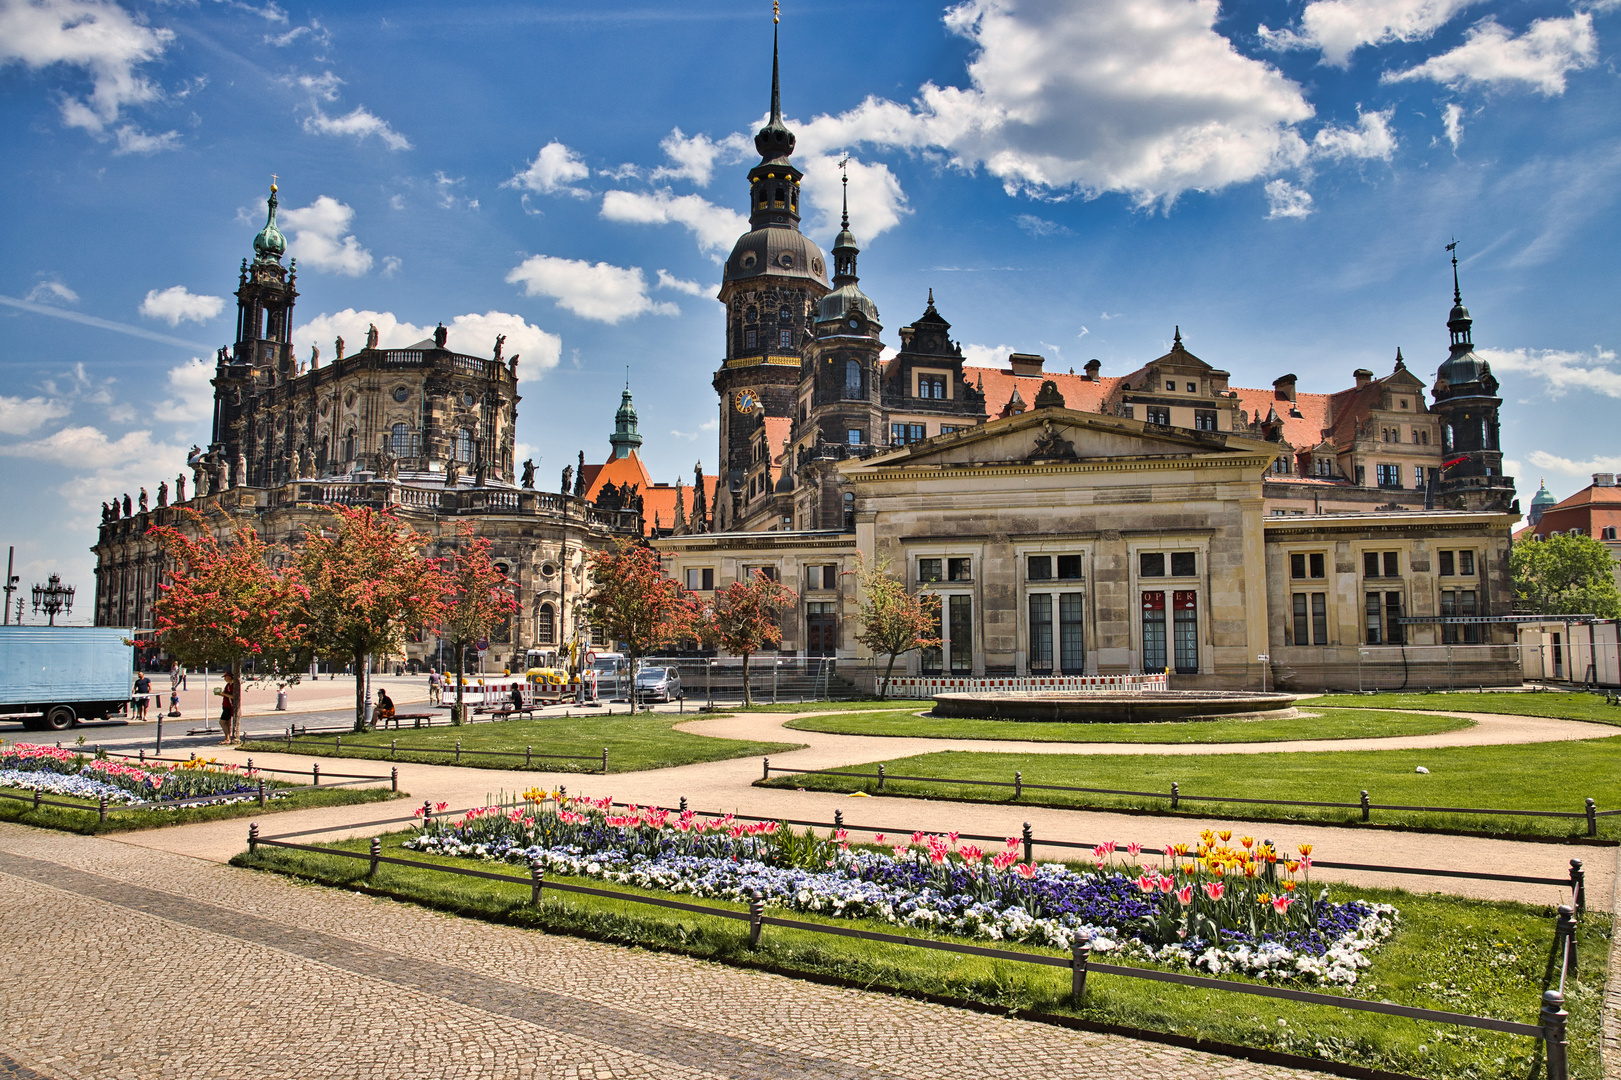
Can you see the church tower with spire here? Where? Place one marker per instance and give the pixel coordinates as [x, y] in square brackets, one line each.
[771, 285]
[262, 356]
[625, 439]
[1467, 404]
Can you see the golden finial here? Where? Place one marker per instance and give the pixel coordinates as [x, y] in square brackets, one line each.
[273, 179]
[776, 11]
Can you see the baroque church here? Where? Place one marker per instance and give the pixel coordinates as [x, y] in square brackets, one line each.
[1086, 524]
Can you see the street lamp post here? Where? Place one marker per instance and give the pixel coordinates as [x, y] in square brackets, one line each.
[53, 598]
[11, 587]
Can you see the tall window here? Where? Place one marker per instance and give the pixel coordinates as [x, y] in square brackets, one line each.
[349, 445]
[1389, 475]
[545, 625]
[960, 629]
[402, 442]
[749, 338]
[1456, 603]
[785, 339]
[931, 386]
[1186, 625]
[1041, 633]
[852, 379]
[1071, 635]
[1153, 631]
[1311, 618]
[464, 445]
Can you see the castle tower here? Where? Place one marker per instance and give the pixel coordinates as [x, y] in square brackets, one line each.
[625, 438]
[1466, 402]
[770, 286]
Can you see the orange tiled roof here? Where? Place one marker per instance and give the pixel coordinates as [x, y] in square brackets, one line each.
[1080, 393]
[1301, 432]
[657, 499]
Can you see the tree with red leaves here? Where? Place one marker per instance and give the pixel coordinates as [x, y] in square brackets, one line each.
[634, 601]
[367, 585]
[746, 617]
[477, 601]
[894, 621]
[226, 602]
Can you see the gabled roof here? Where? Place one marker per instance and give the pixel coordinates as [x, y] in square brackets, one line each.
[1080, 393]
[657, 500]
[1301, 432]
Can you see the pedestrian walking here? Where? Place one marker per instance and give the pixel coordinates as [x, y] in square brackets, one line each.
[143, 694]
[434, 693]
[230, 702]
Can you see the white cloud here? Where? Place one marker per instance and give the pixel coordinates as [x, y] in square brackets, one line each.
[19, 416]
[86, 447]
[1340, 27]
[176, 303]
[715, 227]
[361, 123]
[1562, 370]
[707, 425]
[1493, 57]
[1142, 97]
[1039, 226]
[1371, 138]
[1556, 464]
[876, 199]
[988, 356]
[318, 237]
[668, 280]
[473, 334]
[695, 157]
[553, 172]
[191, 393]
[96, 35]
[133, 140]
[1285, 200]
[599, 291]
[323, 86]
[1452, 123]
[51, 291]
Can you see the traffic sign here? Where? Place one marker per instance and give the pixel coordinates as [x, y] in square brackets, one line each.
[481, 644]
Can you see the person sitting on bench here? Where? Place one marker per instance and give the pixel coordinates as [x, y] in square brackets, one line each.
[385, 707]
[517, 699]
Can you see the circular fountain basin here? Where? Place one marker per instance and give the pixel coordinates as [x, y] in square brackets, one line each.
[1148, 706]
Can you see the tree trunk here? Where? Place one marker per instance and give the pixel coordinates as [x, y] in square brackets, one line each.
[631, 693]
[360, 692]
[748, 691]
[883, 691]
[235, 734]
[458, 714]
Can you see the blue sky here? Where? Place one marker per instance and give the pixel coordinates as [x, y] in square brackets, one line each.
[1279, 178]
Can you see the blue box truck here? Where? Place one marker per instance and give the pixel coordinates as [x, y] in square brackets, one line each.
[51, 677]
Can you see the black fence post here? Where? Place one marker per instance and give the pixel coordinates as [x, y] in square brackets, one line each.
[537, 881]
[250, 767]
[765, 768]
[838, 819]
[1578, 886]
[1565, 937]
[1365, 806]
[683, 804]
[1554, 1018]
[394, 778]
[458, 751]
[36, 799]
[289, 747]
[1592, 818]
[1176, 794]
[376, 853]
[427, 814]
[143, 757]
[1080, 951]
[1018, 785]
[315, 773]
[102, 810]
[261, 791]
[604, 761]
[1029, 845]
[528, 756]
[253, 838]
[393, 747]
[880, 778]
[337, 746]
[756, 918]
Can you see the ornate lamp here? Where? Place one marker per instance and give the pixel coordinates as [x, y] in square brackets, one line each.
[53, 598]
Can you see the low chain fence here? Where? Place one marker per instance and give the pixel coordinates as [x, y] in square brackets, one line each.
[1590, 812]
[455, 754]
[1551, 1028]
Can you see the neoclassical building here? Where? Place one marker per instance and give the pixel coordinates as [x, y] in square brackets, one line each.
[426, 431]
[1090, 524]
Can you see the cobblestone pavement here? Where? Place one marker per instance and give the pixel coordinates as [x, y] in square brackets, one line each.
[125, 962]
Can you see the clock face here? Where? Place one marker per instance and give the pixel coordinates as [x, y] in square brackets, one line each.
[747, 401]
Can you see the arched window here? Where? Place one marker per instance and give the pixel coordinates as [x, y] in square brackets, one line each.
[464, 445]
[401, 441]
[786, 315]
[321, 458]
[849, 511]
[349, 445]
[545, 625]
[852, 378]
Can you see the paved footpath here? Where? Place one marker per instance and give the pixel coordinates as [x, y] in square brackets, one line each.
[130, 963]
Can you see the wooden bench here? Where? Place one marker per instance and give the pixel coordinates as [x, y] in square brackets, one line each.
[415, 718]
[507, 711]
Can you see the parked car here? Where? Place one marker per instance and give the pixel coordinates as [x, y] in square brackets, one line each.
[658, 684]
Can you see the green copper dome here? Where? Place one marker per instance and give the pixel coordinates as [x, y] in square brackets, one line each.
[270, 243]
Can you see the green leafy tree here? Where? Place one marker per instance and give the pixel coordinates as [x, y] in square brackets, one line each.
[367, 585]
[747, 617]
[478, 599]
[634, 601]
[228, 602]
[1564, 575]
[894, 621]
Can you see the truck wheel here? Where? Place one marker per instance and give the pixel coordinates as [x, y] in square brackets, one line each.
[59, 718]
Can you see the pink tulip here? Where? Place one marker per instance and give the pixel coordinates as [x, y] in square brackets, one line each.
[1026, 870]
[878, 838]
[917, 838]
[1281, 904]
[1134, 849]
[1012, 842]
[1165, 884]
[1214, 889]
[1146, 884]
[970, 853]
[1184, 895]
[900, 850]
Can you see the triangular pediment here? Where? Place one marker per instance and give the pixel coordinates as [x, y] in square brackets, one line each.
[1057, 437]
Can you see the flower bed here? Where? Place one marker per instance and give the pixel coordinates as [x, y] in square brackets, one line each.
[60, 771]
[1211, 906]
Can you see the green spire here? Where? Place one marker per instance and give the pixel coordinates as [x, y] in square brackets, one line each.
[625, 437]
[270, 243]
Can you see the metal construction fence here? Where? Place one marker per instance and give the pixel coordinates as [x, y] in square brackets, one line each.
[1551, 1028]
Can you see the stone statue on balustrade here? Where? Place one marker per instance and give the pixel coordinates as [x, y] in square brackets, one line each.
[337, 347]
[180, 487]
[142, 503]
[127, 512]
[453, 473]
[371, 336]
[500, 343]
[306, 462]
[529, 472]
[163, 493]
[568, 479]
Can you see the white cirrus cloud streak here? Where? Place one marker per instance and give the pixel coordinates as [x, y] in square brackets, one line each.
[360, 124]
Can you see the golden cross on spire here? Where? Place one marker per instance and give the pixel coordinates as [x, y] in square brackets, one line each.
[776, 11]
[273, 179]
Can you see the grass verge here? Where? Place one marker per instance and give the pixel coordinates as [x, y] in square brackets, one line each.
[1555, 704]
[853, 705]
[1479, 957]
[635, 743]
[87, 821]
[1326, 724]
[1534, 776]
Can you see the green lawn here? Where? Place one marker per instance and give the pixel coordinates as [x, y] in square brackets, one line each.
[1536, 776]
[88, 822]
[635, 743]
[1562, 706]
[1468, 956]
[858, 705]
[1328, 724]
